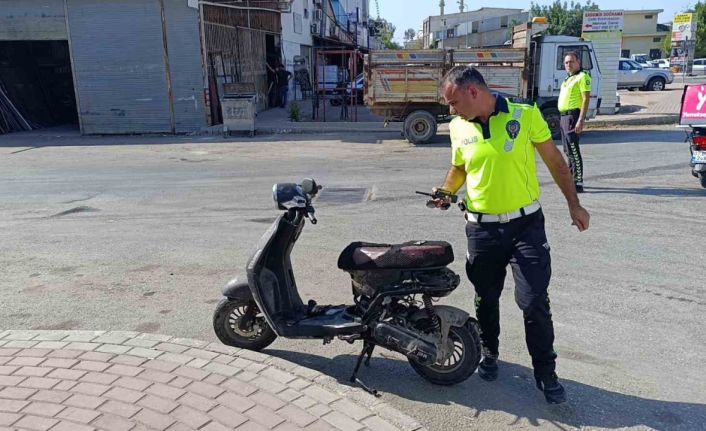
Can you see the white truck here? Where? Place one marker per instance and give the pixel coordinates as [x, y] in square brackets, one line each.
[403, 85]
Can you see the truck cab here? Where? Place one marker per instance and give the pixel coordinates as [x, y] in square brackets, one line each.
[550, 73]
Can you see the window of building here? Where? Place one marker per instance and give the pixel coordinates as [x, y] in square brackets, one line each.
[656, 39]
[648, 16]
[306, 13]
[581, 50]
[474, 27]
[450, 33]
[655, 54]
[625, 53]
[297, 22]
[503, 21]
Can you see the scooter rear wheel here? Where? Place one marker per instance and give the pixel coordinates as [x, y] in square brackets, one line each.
[702, 180]
[462, 363]
[226, 320]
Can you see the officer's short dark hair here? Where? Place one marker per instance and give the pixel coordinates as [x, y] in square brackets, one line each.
[573, 54]
[463, 76]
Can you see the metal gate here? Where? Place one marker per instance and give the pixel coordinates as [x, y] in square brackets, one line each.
[137, 65]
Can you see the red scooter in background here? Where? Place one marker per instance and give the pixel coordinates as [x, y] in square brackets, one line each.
[693, 117]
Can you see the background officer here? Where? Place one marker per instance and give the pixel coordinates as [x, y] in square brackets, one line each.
[573, 101]
[493, 145]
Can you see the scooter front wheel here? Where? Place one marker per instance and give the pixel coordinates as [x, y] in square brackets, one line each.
[463, 360]
[256, 334]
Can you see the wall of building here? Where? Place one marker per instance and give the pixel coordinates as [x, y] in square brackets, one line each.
[441, 23]
[636, 23]
[640, 44]
[640, 32]
[296, 34]
[32, 20]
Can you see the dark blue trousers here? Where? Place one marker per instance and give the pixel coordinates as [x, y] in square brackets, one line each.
[521, 243]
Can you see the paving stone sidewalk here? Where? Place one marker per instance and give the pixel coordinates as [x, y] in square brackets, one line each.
[128, 381]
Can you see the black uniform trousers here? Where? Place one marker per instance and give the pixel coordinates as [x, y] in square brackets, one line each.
[570, 140]
[522, 243]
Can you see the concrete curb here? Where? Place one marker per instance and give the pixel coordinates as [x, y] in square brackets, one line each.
[637, 120]
[279, 386]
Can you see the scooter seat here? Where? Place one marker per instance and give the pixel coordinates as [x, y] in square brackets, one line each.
[409, 255]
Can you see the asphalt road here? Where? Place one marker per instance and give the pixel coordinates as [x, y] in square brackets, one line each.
[140, 233]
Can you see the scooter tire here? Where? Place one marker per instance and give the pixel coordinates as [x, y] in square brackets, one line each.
[468, 336]
[702, 180]
[225, 319]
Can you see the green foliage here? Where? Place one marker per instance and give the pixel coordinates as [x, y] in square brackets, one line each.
[409, 34]
[667, 45]
[385, 31]
[564, 18]
[294, 112]
[700, 10]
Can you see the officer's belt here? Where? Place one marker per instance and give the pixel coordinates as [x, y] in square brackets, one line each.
[473, 217]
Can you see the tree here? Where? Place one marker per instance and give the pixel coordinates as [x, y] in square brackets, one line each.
[409, 35]
[667, 45]
[700, 11]
[385, 31]
[564, 19]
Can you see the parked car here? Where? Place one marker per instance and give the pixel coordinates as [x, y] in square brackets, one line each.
[635, 77]
[660, 63]
[699, 66]
[641, 59]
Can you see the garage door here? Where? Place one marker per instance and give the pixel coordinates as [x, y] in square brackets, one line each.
[32, 20]
[121, 70]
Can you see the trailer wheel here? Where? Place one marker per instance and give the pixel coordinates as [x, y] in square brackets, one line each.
[420, 127]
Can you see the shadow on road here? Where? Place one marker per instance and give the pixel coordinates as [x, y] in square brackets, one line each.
[514, 393]
[669, 133]
[663, 192]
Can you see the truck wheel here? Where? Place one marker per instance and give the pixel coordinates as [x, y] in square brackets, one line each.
[419, 127]
[553, 118]
[656, 84]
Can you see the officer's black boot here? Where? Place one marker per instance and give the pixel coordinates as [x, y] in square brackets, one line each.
[488, 367]
[553, 390]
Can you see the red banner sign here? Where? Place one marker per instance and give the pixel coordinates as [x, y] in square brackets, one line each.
[693, 105]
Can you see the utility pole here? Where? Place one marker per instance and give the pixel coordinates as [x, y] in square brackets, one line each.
[441, 6]
[461, 6]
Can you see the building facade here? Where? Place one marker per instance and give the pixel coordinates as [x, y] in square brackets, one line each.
[478, 28]
[321, 25]
[642, 34]
[124, 66]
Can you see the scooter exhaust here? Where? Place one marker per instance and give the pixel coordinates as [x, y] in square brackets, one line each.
[406, 342]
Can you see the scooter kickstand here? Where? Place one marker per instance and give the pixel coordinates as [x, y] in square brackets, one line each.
[367, 350]
[370, 354]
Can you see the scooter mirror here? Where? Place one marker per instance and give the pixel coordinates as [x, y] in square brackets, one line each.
[309, 186]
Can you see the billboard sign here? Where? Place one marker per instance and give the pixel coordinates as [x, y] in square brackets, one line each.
[683, 27]
[693, 105]
[602, 20]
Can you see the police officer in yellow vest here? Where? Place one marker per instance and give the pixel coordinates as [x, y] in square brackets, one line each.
[574, 96]
[493, 145]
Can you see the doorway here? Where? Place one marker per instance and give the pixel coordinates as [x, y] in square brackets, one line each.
[36, 85]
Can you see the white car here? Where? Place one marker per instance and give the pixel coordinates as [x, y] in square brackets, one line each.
[699, 66]
[661, 63]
